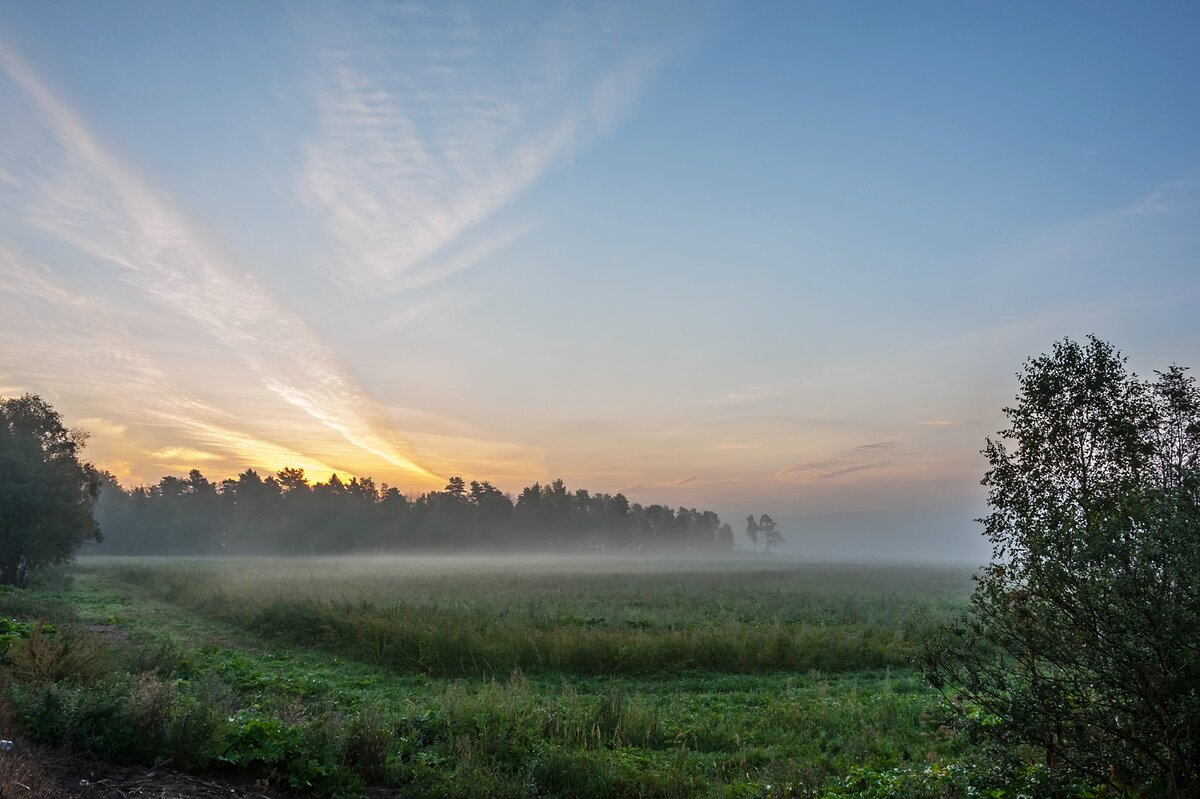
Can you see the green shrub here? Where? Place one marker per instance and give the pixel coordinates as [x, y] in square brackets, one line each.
[302, 757]
[97, 719]
[45, 655]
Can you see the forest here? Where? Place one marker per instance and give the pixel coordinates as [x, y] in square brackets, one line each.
[286, 514]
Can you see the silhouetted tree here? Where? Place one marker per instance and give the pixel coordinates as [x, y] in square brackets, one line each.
[46, 492]
[299, 509]
[287, 514]
[769, 531]
[1081, 637]
[202, 506]
[752, 531]
[257, 505]
[395, 512]
[456, 488]
[531, 516]
[114, 511]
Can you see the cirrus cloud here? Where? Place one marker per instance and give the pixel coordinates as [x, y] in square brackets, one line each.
[864, 457]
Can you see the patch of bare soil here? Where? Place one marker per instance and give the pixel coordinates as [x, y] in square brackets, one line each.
[31, 772]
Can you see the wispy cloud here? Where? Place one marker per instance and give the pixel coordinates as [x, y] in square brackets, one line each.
[443, 269]
[183, 455]
[98, 204]
[1096, 251]
[52, 331]
[251, 450]
[459, 448]
[746, 394]
[1167, 198]
[877, 455]
[105, 427]
[410, 159]
[32, 281]
[938, 423]
[735, 446]
[644, 487]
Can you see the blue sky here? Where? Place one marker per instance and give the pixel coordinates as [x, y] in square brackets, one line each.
[761, 257]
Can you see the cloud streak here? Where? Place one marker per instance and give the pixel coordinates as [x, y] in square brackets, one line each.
[865, 457]
[644, 487]
[51, 330]
[411, 160]
[99, 205]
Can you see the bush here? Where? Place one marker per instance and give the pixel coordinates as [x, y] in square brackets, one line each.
[303, 757]
[45, 655]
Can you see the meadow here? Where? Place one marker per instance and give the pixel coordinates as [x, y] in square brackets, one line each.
[458, 617]
[519, 677]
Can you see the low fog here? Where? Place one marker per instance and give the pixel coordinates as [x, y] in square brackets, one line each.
[285, 514]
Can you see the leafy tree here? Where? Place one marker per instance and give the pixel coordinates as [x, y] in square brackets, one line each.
[660, 523]
[203, 514]
[396, 517]
[292, 481]
[769, 531]
[705, 527]
[1083, 635]
[456, 488]
[46, 492]
[725, 537]
[491, 512]
[286, 514]
[256, 506]
[116, 514]
[170, 514]
[752, 531]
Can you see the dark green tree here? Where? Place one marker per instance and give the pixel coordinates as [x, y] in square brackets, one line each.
[769, 531]
[299, 509]
[456, 488]
[287, 514]
[204, 515]
[116, 512]
[1083, 635]
[752, 531]
[46, 491]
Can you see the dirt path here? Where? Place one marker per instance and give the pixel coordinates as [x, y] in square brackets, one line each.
[32, 771]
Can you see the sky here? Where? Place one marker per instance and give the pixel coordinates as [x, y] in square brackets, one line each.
[779, 258]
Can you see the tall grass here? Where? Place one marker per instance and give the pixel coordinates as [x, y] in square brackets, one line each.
[451, 619]
[565, 680]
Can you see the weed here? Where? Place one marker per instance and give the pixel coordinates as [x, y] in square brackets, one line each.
[46, 655]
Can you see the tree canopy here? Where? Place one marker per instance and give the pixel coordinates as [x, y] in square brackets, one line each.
[1083, 635]
[46, 492]
[285, 513]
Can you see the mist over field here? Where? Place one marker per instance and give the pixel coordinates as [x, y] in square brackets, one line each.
[287, 514]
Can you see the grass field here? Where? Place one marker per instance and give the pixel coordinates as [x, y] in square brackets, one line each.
[459, 618]
[503, 677]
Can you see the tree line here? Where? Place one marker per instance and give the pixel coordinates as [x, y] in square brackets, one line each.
[286, 514]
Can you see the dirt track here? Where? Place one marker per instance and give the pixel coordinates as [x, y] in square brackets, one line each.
[31, 771]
